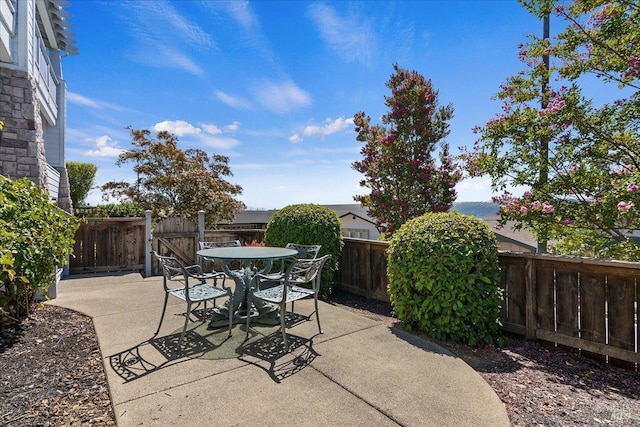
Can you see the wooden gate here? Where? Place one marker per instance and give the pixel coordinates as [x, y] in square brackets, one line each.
[109, 244]
[177, 237]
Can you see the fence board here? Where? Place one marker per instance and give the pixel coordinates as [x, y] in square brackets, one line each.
[567, 303]
[545, 288]
[512, 278]
[622, 294]
[592, 308]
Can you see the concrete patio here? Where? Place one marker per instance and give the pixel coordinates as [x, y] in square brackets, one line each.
[360, 372]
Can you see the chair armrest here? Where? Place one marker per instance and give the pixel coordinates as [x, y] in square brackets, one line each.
[259, 279]
[268, 277]
[196, 272]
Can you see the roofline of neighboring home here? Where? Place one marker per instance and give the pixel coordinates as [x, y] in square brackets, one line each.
[516, 242]
[356, 215]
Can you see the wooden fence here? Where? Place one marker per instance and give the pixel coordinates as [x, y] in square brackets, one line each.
[120, 244]
[109, 244]
[362, 269]
[587, 304]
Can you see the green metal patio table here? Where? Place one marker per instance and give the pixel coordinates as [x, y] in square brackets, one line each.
[248, 256]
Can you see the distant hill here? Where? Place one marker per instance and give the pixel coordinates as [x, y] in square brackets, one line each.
[479, 210]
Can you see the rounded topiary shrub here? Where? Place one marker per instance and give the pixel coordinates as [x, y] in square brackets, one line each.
[443, 278]
[309, 224]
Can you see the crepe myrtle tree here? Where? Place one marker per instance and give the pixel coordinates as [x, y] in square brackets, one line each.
[589, 202]
[172, 182]
[404, 178]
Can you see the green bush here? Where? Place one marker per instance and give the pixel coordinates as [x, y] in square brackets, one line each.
[309, 224]
[443, 278]
[111, 210]
[35, 238]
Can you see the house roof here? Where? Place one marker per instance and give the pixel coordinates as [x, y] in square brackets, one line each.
[352, 209]
[510, 234]
[251, 217]
[263, 216]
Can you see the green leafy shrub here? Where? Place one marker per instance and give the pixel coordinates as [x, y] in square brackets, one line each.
[309, 224]
[111, 210]
[443, 278]
[35, 238]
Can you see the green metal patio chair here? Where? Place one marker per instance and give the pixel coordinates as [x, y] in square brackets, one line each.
[304, 252]
[200, 292]
[301, 271]
[216, 267]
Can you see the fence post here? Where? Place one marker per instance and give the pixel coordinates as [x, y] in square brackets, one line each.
[531, 303]
[147, 234]
[201, 226]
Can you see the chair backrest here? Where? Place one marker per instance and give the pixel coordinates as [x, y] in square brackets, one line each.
[306, 271]
[305, 251]
[172, 269]
[225, 244]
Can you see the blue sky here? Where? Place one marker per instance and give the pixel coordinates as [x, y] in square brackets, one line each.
[274, 85]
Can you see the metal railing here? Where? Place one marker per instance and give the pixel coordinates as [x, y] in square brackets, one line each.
[47, 80]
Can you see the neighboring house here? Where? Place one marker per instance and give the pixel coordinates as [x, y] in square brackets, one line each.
[34, 37]
[355, 221]
[509, 239]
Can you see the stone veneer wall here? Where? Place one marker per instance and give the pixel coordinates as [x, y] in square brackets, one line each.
[64, 193]
[22, 146]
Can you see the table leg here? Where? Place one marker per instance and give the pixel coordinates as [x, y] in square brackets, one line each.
[266, 313]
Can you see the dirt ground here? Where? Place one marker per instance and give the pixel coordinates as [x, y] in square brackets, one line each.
[52, 374]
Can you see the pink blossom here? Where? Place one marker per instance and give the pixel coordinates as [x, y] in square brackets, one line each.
[567, 221]
[527, 195]
[625, 206]
[554, 106]
[524, 210]
[547, 208]
[536, 205]
[632, 187]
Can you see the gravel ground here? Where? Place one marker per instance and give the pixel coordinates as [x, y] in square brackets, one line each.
[52, 374]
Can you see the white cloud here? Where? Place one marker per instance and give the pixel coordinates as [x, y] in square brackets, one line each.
[232, 101]
[178, 127]
[105, 147]
[211, 129]
[76, 98]
[169, 56]
[329, 127]
[163, 36]
[242, 13]
[282, 97]
[232, 127]
[218, 142]
[295, 139]
[349, 36]
[184, 29]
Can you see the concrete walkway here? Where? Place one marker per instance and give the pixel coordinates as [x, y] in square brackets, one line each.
[360, 372]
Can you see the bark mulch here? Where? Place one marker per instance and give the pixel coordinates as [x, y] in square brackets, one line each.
[51, 374]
